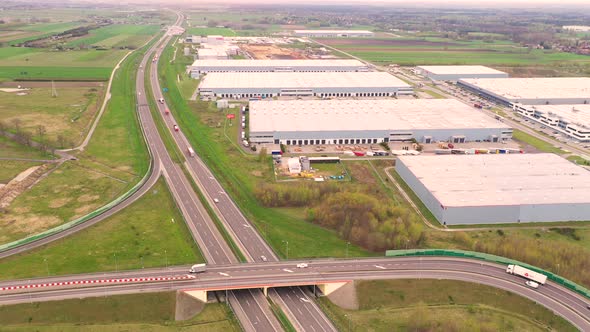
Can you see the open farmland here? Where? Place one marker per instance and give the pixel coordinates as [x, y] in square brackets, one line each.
[117, 36]
[211, 31]
[21, 33]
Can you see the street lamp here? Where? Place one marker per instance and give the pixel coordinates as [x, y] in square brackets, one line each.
[116, 263]
[287, 248]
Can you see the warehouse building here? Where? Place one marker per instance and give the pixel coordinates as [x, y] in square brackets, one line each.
[253, 66]
[571, 120]
[455, 73]
[334, 33]
[498, 188]
[329, 84]
[310, 122]
[531, 91]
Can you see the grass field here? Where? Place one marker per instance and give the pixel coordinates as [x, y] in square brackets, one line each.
[118, 35]
[69, 114]
[150, 233]
[21, 34]
[442, 305]
[12, 149]
[199, 121]
[535, 142]
[11, 168]
[137, 312]
[211, 31]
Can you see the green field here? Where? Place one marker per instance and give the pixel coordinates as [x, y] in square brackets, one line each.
[22, 33]
[11, 168]
[199, 121]
[441, 305]
[137, 312]
[119, 35]
[211, 31]
[69, 114]
[12, 149]
[535, 142]
[149, 233]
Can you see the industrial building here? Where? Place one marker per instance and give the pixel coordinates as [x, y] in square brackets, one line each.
[531, 91]
[309, 122]
[329, 84]
[455, 73]
[571, 120]
[252, 66]
[333, 33]
[498, 188]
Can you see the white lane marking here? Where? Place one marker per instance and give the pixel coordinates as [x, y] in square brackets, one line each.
[287, 270]
[246, 225]
[380, 267]
[304, 300]
[224, 274]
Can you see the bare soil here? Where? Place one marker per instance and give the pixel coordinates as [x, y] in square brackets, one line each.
[262, 52]
[345, 297]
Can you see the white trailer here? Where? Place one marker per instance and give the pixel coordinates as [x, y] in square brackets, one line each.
[198, 268]
[191, 152]
[529, 274]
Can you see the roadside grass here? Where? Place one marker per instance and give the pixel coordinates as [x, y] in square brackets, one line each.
[12, 149]
[391, 305]
[433, 94]
[69, 114]
[535, 142]
[239, 174]
[211, 31]
[149, 233]
[579, 160]
[135, 312]
[11, 168]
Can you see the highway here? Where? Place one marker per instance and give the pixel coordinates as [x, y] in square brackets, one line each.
[243, 233]
[560, 300]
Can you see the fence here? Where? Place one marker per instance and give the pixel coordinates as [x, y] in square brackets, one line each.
[490, 258]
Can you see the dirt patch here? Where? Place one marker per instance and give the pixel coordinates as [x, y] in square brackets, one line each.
[345, 297]
[24, 174]
[361, 172]
[84, 210]
[384, 42]
[18, 185]
[268, 51]
[187, 306]
[27, 224]
[59, 202]
[87, 198]
[256, 173]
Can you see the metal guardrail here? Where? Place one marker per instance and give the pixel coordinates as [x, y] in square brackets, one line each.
[80, 220]
[490, 258]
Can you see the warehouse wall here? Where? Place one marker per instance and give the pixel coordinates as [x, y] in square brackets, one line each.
[466, 215]
[555, 212]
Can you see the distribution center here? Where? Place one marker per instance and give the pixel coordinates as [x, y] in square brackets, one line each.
[498, 188]
[333, 33]
[531, 91]
[454, 73]
[243, 65]
[329, 84]
[572, 120]
[342, 121]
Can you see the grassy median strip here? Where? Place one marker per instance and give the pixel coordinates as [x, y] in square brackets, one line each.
[285, 322]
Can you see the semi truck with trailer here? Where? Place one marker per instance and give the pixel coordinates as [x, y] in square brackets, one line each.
[526, 273]
[198, 268]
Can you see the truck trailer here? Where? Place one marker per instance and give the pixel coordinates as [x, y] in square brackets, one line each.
[198, 268]
[191, 152]
[529, 274]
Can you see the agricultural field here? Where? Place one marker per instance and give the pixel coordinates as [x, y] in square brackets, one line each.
[211, 31]
[67, 115]
[442, 305]
[135, 312]
[14, 34]
[117, 36]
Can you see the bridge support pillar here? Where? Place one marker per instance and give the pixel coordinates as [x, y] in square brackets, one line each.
[328, 288]
[265, 291]
[200, 295]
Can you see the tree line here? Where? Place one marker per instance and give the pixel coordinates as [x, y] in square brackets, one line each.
[36, 138]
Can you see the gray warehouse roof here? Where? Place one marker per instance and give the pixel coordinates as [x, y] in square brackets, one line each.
[460, 70]
[500, 179]
[300, 80]
[278, 63]
[534, 88]
[382, 114]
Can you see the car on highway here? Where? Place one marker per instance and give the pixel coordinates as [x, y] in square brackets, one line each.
[532, 284]
[216, 200]
[302, 265]
[263, 258]
[176, 128]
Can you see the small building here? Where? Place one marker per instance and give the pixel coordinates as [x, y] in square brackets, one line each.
[334, 33]
[571, 120]
[212, 54]
[531, 91]
[222, 103]
[498, 188]
[454, 73]
[294, 165]
[324, 84]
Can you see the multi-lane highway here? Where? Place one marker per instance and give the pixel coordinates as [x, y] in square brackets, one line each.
[570, 305]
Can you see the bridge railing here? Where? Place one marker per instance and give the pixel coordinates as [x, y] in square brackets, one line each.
[490, 258]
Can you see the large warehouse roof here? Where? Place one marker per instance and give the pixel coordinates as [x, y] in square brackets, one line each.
[534, 88]
[383, 114]
[278, 63]
[300, 80]
[460, 70]
[575, 114]
[500, 179]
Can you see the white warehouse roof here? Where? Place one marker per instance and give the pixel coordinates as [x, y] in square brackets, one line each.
[301, 80]
[460, 70]
[573, 114]
[382, 114]
[500, 179]
[278, 63]
[534, 88]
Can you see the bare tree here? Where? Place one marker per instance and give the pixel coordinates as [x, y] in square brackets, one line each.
[61, 141]
[41, 130]
[26, 138]
[3, 126]
[16, 122]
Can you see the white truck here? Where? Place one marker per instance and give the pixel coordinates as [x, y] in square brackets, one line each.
[198, 268]
[529, 274]
[191, 152]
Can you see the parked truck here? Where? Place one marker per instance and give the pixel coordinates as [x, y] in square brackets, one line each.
[198, 268]
[191, 152]
[526, 273]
